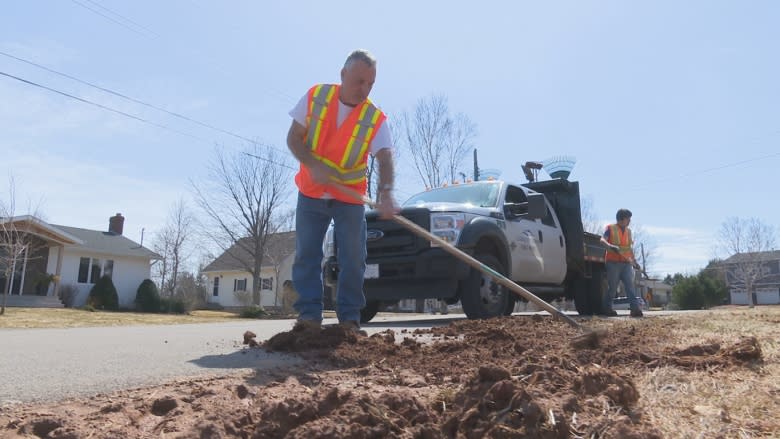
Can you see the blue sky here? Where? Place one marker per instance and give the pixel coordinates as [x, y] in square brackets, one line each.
[670, 108]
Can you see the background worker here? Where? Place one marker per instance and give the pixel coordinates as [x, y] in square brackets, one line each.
[334, 129]
[620, 263]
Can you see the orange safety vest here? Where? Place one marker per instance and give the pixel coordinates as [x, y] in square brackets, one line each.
[622, 239]
[343, 148]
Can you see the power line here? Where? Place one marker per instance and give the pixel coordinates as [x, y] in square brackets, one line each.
[278, 93]
[140, 119]
[704, 171]
[86, 101]
[268, 160]
[137, 101]
[134, 23]
[109, 17]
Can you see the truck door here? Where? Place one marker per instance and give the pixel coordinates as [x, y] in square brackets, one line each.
[553, 248]
[523, 238]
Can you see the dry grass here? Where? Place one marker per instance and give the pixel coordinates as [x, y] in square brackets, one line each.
[736, 403]
[75, 318]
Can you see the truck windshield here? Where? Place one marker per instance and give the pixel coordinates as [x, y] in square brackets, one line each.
[474, 194]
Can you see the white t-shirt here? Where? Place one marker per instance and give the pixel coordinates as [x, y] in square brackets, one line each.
[381, 140]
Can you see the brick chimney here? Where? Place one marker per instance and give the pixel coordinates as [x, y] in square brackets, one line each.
[116, 224]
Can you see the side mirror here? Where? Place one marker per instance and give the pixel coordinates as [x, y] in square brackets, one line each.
[531, 210]
[536, 207]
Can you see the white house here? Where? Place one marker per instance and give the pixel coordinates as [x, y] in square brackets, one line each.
[766, 287]
[61, 255]
[231, 283]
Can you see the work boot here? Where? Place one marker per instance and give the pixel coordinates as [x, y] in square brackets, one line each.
[636, 313]
[307, 325]
[609, 313]
[352, 326]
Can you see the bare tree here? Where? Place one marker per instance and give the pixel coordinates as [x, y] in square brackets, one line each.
[644, 247]
[241, 196]
[437, 142]
[283, 221]
[746, 243]
[172, 244]
[18, 242]
[460, 138]
[590, 222]
[201, 280]
[192, 289]
[371, 167]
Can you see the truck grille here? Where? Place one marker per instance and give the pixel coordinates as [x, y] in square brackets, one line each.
[396, 240]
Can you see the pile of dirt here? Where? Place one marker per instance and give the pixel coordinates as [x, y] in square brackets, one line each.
[500, 378]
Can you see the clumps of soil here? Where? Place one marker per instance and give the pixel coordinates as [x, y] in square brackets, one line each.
[310, 338]
[502, 378]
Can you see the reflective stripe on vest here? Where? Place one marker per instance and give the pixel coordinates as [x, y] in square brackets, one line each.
[350, 176]
[349, 167]
[318, 110]
[364, 127]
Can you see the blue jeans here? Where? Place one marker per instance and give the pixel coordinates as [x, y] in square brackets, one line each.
[620, 271]
[312, 218]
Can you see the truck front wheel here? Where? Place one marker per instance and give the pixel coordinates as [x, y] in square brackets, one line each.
[481, 296]
[369, 312]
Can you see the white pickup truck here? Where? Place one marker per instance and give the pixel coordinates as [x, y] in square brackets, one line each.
[531, 233]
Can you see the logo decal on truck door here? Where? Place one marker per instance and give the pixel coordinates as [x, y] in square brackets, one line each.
[374, 235]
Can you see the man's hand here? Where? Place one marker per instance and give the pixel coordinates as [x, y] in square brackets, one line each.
[386, 205]
[614, 248]
[637, 267]
[322, 173]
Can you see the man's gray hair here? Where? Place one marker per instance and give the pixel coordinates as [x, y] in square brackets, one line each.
[360, 55]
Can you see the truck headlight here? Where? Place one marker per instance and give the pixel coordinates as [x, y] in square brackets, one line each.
[447, 226]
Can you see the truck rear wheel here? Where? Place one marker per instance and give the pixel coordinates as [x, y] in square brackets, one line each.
[481, 296]
[597, 288]
[578, 288]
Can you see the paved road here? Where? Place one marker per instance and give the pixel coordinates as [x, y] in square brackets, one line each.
[53, 364]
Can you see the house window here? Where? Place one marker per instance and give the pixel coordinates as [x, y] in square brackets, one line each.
[239, 284]
[267, 283]
[95, 274]
[216, 287]
[83, 270]
[91, 269]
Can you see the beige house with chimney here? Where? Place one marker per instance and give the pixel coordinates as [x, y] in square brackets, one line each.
[59, 255]
[230, 281]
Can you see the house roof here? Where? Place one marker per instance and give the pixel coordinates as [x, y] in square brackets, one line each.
[278, 247]
[42, 229]
[108, 242]
[771, 255]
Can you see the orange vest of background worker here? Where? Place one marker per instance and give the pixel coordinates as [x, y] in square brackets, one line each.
[620, 237]
[342, 148]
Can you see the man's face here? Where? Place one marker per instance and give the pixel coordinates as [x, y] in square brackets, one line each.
[624, 222]
[356, 82]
